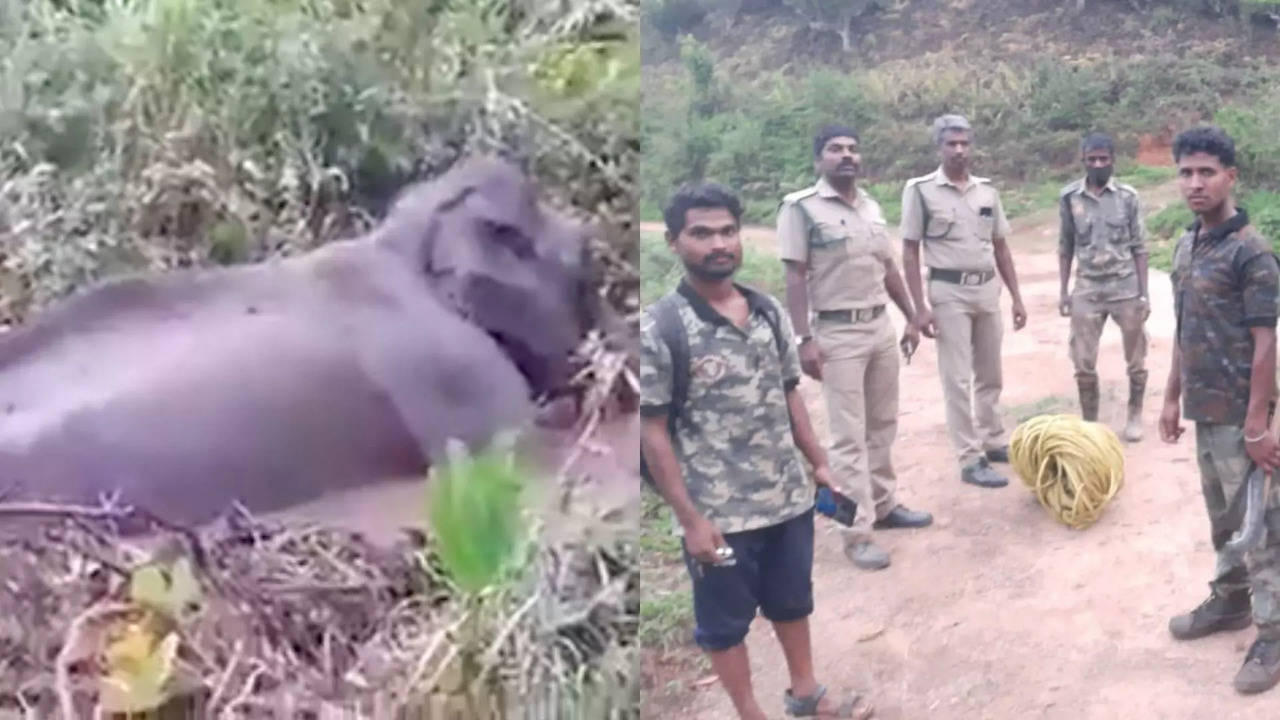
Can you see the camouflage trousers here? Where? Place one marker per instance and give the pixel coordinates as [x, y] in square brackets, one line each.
[1224, 464]
[1087, 321]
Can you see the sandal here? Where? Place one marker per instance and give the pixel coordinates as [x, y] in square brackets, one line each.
[808, 706]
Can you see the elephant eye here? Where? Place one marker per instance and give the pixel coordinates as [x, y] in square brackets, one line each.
[510, 237]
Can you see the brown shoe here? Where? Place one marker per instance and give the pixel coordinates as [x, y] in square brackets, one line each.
[1261, 669]
[1217, 614]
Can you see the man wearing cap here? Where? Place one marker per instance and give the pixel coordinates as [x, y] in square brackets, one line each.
[959, 220]
[839, 264]
[1101, 227]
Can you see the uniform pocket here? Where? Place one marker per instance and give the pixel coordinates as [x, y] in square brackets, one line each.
[940, 224]
[828, 236]
[1118, 231]
[1084, 231]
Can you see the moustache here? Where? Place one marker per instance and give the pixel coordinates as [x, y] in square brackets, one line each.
[717, 256]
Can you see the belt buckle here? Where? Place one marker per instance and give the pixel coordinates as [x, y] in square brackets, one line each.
[971, 278]
[862, 315]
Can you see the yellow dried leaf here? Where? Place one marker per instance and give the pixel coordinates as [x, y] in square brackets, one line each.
[139, 666]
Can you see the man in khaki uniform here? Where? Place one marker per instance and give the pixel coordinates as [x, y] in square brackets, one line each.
[839, 264]
[1101, 226]
[961, 223]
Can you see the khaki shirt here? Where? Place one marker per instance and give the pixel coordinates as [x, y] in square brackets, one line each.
[955, 226]
[1104, 234]
[739, 461]
[844, 246]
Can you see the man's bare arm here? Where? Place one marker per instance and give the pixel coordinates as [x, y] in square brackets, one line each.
[1262, 380]
[1173, 386]
[897, 290]
[1004, 265]
[660, 456]
[1140, 262]
[802, 430]
[797, 295]
[911, 272]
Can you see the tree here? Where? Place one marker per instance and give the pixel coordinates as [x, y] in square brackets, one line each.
[834, 16]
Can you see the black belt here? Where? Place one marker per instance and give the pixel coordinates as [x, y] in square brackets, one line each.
[852, 316]
[962, 277]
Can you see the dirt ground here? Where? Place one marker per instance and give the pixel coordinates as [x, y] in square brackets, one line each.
[996, 610]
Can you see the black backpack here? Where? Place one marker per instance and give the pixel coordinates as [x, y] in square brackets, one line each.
[671, 331]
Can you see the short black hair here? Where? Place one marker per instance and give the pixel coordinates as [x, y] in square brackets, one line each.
[1209, 139]
[826, 132]
[1098, 141]
[699, 195]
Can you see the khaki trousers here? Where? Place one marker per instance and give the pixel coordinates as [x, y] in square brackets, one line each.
[860, 382]
[970, 329]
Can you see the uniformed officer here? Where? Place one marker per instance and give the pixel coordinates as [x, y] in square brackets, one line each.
[961, 223]
[1101, 226]
[839, 265]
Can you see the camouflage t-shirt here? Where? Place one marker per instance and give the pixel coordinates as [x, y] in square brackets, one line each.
[733, 440]
[1225, 282]
[1104, 234]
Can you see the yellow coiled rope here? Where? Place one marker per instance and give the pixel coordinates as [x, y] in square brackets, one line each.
[1074, 467]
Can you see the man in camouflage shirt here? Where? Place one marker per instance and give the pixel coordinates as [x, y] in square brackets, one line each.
[1225, 287]
[1101, 227]
[732, 473]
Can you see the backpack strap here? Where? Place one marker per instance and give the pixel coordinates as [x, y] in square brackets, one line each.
[775, 324]
[671, 331]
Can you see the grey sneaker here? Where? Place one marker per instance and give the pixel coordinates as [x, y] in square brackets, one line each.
[982, 474]
[867, 555]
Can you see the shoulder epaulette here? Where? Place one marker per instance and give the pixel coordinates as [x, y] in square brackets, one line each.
[922, 178]
[798, 195]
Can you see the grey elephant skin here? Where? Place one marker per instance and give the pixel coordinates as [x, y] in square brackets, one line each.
[271, 384]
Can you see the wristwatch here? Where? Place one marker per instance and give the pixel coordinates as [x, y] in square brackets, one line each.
[802, 339]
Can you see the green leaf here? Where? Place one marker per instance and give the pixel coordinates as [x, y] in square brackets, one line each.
[166, 589]
[475, 514]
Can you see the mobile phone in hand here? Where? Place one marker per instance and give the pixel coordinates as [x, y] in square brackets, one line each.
[835, 505]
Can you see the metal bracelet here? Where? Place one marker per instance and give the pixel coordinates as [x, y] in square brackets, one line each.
[1255, 439]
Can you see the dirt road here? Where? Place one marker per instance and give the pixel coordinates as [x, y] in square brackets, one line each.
[997, 611]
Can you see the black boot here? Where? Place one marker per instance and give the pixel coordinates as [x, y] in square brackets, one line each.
[1218, 613]
[1088, 400]
[1137, 389]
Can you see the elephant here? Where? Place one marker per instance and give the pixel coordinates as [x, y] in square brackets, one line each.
[269, 384]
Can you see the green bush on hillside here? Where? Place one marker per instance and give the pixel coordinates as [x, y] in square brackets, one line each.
[1028, 117]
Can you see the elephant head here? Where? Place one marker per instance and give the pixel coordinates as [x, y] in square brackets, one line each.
[503, 260]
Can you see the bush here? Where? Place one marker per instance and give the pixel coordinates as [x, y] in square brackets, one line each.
[672, 17]
[1256, 131]
[1029, 117]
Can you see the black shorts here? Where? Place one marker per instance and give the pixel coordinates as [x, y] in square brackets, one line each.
[774, 574]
